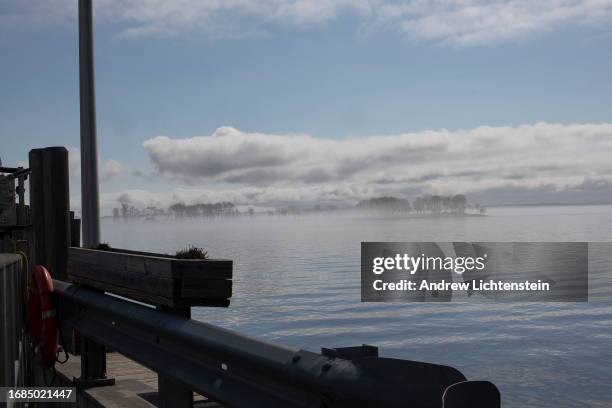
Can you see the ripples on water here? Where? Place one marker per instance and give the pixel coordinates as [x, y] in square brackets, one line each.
[297, 282]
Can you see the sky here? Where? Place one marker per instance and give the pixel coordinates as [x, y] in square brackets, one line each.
[283, 102]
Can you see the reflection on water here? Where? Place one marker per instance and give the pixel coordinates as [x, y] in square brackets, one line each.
[296, 282]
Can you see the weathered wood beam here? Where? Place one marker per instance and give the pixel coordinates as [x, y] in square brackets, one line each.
[160, 280]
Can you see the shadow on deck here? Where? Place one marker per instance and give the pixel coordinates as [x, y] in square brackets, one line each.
[135, 385]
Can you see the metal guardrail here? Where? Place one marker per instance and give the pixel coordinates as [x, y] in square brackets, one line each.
[12, 310]
[239, 371]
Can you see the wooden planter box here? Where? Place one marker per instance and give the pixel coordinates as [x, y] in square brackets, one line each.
[157, 279]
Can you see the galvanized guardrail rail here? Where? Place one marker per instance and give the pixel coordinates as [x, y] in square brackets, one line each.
[239, 371]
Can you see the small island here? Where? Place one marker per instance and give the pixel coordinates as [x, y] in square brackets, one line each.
[436, 205]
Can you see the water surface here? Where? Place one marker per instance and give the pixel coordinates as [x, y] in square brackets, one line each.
[297, 282]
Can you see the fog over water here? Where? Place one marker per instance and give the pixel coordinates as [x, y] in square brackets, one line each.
[297, 282]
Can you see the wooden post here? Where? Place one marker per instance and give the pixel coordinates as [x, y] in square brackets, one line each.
[56, 210]
[75, 231]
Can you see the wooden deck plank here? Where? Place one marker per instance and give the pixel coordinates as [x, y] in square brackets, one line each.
[131, 380]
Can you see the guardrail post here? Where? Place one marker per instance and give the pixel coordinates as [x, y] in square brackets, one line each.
[92, 368]
[173, 394]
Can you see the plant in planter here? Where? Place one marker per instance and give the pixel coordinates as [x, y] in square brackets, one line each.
[191, 252]
[103, 246]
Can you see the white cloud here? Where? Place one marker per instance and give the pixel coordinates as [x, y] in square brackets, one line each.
[108, 170]
[455, 22]
[216, 18]
[476, 22]
[268, 169]
[112, 168]
[74, 162]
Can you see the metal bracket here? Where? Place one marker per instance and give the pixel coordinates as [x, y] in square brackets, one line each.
[351, 353]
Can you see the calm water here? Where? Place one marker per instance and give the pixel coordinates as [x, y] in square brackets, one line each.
[296, 282]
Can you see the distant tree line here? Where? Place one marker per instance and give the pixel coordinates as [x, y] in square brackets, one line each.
[179, 209]
[391, 204]
[203, 210]
[432, 204]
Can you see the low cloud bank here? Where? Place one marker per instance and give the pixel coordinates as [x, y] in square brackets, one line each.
[268, 168]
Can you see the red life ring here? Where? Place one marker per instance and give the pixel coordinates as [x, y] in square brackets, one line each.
[43, 317]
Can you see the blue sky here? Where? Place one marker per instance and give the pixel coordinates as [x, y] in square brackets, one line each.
[345, 71]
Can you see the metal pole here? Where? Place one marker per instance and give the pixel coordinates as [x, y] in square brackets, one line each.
[93, 357]
[89, 156]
